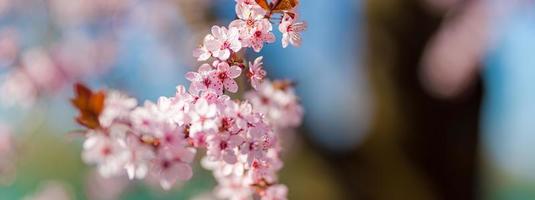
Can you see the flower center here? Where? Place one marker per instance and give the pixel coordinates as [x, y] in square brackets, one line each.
[106, 151]
[223, 145]
[223, 76]
[250, 22]
[166, 164]
[225, 45]
[258, 34]
[225, 124]
[207, 82]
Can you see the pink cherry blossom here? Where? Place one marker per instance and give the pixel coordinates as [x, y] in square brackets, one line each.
[224, 42]
[203, 117]
[146, 119]
[291, 30]
[226, 75]
[141, 155]
[256, 73]
[202, 80]
[224, 147]
[260, 34]
[109, 153]
[172, 165]
[280, 106]
[202, 53]
[118, 107]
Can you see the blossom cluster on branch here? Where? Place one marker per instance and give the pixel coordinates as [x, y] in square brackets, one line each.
[241, 138]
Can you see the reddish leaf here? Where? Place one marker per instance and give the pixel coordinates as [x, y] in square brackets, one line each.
[89, 104]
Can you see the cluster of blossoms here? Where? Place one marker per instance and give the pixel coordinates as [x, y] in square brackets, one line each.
[252, 29]
[241, 138]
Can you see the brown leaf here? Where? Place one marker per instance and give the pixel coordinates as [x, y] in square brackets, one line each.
[89, 104]
[264, 4]
[284, 5]
[278, 6]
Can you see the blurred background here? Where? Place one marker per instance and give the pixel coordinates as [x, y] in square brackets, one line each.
[404, 99]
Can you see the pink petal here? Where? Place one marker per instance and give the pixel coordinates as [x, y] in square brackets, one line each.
[230, 158]
[204, 56]
[193, 76]
[230, 85]
[205, 68]
[186, 154]
[299, 26]
[295, 39]
[285, 40]
[223, 66]
[258, 61]
[201, 106]
[180, 89]
[183, 171]
[224, 54]
[255, 83]
[213, 45]
[269, 38]
[216, 31]
[234, 72]
[235, 45]
[217, 86]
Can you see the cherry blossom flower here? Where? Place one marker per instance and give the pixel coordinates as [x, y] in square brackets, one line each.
[256, 73]
[224, 42]
[202, 53]
[109, 153]
[172, 164]
[146, 119]
[224, 147]
[141, 155]
[226, 75]
[118, 107]
[203, 117]
[202, 80]
[262, 34]
[277, 100]
[291, 30]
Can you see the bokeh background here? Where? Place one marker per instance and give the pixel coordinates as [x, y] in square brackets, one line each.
[404, 99]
